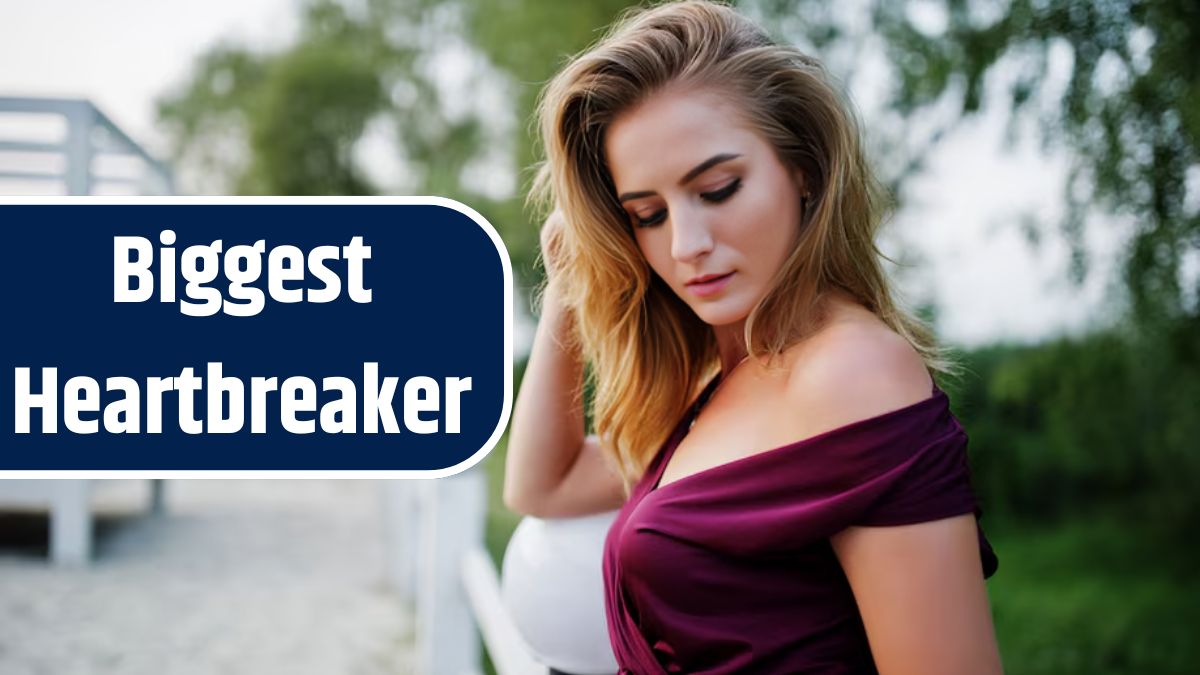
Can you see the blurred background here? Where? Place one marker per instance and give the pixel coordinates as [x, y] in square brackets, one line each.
[1043, 156]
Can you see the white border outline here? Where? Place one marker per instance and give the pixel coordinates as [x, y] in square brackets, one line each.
[374, 474]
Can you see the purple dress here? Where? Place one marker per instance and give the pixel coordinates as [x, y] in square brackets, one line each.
[730, 570]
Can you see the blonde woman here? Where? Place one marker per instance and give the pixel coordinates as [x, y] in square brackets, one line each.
[793, 489]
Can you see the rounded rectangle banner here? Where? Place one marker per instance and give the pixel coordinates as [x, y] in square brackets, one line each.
[183, 337]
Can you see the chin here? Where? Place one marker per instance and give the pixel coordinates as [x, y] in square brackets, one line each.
[721, 314]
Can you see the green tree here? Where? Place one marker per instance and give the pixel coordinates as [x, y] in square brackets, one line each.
[282, 123]
[287, 122]
[1129, 115]
[528, 41]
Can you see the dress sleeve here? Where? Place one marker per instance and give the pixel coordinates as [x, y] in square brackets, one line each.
[926, 477]
[927, 480]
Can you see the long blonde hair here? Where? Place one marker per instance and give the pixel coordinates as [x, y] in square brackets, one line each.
[649, 352]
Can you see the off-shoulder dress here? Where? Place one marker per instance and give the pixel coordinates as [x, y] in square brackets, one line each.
[730, 570]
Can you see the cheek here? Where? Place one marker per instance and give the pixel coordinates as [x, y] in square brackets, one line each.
[773, 225]
[655, 248]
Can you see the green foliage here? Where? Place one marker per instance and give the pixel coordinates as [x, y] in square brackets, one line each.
[310, 110]
[208, 118]
[1080, 422]
[286, 122]
[549, 32]
[282, 123]
[1103, 594]
[1130, 112]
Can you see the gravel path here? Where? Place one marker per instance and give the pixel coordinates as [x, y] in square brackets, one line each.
[256, 576]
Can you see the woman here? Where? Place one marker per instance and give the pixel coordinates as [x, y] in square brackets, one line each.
[793, 488]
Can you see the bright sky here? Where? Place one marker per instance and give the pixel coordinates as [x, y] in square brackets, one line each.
[123, 54]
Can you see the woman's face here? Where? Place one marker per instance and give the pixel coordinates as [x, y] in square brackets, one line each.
[713, 209]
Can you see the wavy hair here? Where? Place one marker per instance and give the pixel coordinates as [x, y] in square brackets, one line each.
[649, 353]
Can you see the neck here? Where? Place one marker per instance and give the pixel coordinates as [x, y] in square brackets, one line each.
[731, 345]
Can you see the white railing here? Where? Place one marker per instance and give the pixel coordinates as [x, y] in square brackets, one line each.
[66, 143]
[69, 143]
[507, 649]
[552, 588]
[70, 505]
[439, 564]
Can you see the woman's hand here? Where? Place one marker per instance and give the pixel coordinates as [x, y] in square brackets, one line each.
[551, 240]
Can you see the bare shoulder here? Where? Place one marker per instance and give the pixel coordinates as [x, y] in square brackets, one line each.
[854, 369]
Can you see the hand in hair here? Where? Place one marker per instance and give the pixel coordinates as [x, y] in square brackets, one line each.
[552, 469]
[552, 244]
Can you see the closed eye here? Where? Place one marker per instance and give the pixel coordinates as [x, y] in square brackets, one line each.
[723, 193]
[656, 218]
[713, 196]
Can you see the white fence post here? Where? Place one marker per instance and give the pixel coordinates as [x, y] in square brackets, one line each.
[402, 520]
[81, 118]
[454, 511]
[158, 496]
[437, 559]
[71, 522]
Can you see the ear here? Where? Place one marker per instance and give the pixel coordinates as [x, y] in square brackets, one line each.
[801, 183]
[803, 190]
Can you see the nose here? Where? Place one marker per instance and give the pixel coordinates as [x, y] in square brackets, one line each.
[691, 237]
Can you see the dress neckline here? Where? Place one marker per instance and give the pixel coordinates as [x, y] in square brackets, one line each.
[937, 395]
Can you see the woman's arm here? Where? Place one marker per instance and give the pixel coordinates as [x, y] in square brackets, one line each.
[919, 587]
[921, 594]
[552, 470]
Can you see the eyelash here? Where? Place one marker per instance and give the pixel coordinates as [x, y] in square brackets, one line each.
[714, 197]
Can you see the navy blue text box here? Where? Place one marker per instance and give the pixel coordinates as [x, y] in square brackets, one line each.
[441, 289]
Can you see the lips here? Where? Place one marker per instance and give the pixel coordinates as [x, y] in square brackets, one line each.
[706, 278]
[709, 285]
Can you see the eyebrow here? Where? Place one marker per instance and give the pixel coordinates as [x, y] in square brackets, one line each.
[695, 171]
